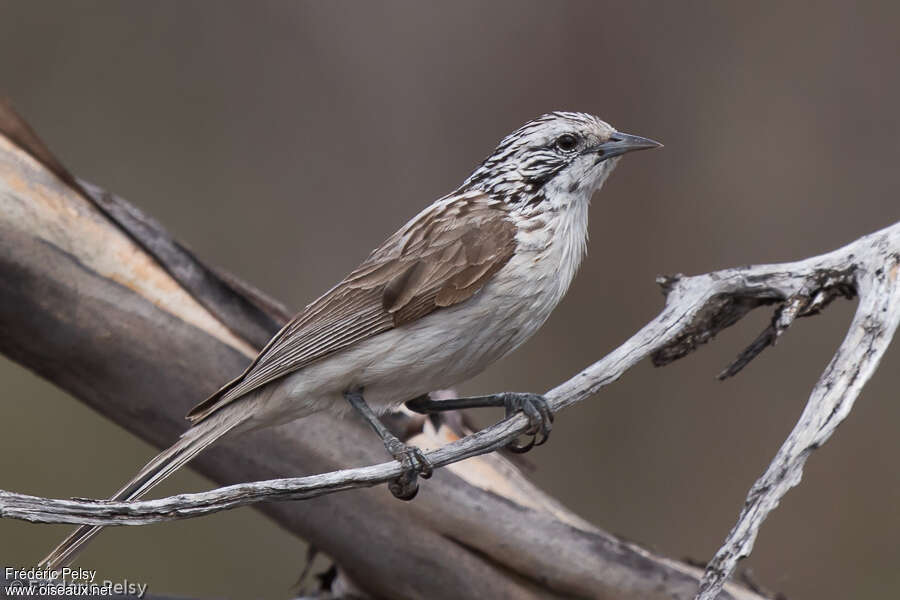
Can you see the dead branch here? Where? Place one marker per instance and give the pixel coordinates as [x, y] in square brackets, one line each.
[695, 310]
[159, 337]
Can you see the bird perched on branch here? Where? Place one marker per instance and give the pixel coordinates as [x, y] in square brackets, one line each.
[461, 285]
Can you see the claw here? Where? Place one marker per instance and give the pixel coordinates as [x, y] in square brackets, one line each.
[516, 448]
[540, 418]
[422, 466]
[404, 487]
[414, 464]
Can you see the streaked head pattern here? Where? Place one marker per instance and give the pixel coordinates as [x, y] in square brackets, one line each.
[559, 153]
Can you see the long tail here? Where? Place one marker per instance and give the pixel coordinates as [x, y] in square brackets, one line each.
[191, 443]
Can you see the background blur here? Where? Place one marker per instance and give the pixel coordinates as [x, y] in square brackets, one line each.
[273, 136]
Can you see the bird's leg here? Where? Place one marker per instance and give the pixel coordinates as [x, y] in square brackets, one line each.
[413, 460]
[535, 407]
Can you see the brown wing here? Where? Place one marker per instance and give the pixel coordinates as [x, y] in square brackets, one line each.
[440, 258]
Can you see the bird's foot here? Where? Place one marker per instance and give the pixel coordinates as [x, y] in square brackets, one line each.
[540, 418]
[414, 464]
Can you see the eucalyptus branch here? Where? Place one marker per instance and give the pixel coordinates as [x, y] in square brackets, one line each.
[153, 321]
[696, 309]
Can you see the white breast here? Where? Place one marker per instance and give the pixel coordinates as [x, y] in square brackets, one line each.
[454, 344]
[449, 345]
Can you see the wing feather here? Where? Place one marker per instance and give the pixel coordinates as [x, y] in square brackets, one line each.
[440, 258]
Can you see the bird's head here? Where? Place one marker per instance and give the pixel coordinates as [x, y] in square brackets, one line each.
[559, 157]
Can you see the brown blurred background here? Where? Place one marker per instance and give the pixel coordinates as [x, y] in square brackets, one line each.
[284, 140]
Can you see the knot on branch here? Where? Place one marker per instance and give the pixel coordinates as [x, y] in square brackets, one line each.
[720, 312]
[667, 283]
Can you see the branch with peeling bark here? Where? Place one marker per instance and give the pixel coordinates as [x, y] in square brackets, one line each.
[98, 298]
[208, 323]
[696, 309]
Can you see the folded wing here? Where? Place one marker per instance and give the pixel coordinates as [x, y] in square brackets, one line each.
[440, 258]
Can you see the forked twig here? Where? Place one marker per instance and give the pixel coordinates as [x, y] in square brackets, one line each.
[697, 308]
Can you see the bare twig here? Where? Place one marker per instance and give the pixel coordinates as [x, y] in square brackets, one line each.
[55, 254]
[104, 310]
[696, 309]
[831, 400]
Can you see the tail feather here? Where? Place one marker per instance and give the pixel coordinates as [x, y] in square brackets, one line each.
[192, 442]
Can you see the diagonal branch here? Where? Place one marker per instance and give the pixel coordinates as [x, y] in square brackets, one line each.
[96, 299]
[831, 400]
[696, 309]
[55, 254]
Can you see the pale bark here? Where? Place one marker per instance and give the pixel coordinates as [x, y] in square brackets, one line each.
[97, 298]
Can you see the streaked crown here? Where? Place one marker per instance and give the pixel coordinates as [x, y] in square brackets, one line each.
[571, 148]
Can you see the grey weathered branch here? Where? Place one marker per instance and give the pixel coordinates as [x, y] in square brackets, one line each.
[97, 298]
[874, 262]
[146, 325]
[696, 308]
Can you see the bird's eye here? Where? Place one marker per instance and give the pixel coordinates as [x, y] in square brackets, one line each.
[566, 142]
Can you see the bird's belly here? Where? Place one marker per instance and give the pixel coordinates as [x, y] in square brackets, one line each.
[440, 350]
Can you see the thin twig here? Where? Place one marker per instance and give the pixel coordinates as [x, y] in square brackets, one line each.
[831, 400]
[697, 308]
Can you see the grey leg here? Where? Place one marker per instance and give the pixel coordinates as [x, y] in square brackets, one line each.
[414, 462]
[535, 407]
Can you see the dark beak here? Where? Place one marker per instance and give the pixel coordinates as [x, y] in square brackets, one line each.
[619, 143]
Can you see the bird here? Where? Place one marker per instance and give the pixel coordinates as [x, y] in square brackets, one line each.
[459, 286]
